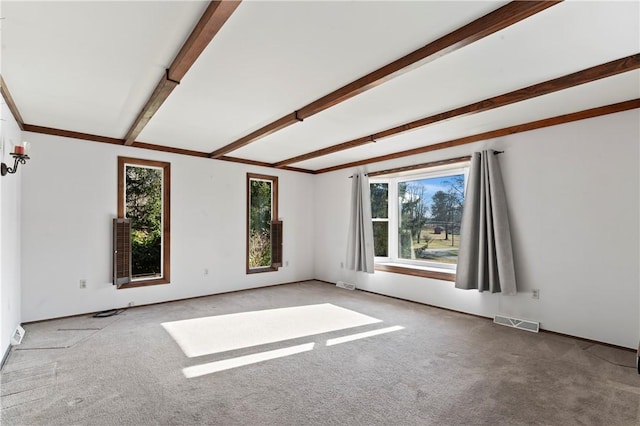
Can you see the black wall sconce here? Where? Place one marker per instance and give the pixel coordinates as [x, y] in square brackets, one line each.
[20, 157]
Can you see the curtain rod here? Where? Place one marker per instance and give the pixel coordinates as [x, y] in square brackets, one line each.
[423, 165]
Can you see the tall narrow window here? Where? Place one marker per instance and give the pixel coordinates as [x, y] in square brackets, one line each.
[264, 231]
[143, 198]
[380, 216]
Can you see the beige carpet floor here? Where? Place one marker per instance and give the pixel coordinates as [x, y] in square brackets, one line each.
[310, 354]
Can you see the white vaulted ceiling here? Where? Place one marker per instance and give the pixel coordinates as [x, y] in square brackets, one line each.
[271, 58]
[90, 67]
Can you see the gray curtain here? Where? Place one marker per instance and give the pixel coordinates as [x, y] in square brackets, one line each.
[360, 241]
[485, 259]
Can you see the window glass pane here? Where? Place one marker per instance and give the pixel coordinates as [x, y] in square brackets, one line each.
[381, 238]
[429, 217]
[144, 208]
[379, 200]
[260, 223]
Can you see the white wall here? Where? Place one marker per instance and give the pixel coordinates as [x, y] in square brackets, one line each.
[573, 195]
[10, 203]
[9, 233]
[69, 198]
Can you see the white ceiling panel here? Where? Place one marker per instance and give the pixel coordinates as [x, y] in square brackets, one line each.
[272, 58]
[576, 36]
[90, 66]
[599, 93]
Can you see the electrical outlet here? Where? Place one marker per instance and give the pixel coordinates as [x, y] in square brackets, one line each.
[286, 263]
[83, 283]
[341, 265]
[206, 272]
[536, 294]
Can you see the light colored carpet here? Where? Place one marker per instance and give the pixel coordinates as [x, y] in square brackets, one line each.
[426, 367]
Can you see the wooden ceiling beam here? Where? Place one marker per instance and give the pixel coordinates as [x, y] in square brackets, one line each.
[4, 90]
[213, 18]
[420, 166]
[270, 128]
[588, 75]
[205, 30]
[533, 125]
[71, 134]
[143, 145]
[260, 164]
[160, 94]
[539, 124]
[497, 20]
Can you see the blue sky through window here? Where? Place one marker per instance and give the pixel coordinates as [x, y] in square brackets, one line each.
[431, 185]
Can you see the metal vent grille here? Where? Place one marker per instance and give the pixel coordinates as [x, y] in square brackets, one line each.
[346, 285]
[18, 334]
[533, 326]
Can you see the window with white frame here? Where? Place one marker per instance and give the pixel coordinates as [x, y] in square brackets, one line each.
[380, 217]
[416, 218]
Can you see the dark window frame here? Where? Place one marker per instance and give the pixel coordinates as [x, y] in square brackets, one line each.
[166, 215]
[274, 218]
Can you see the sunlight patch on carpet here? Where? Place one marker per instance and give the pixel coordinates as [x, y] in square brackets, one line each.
[211, 335]
[366, 334]
[241, 361]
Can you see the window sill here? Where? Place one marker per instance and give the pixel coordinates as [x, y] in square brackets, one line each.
[416, 271]
[261, 270]
[144, 283]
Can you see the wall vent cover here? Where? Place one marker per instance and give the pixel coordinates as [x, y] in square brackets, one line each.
[16, 337]
[533, 326]
[348, 286]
